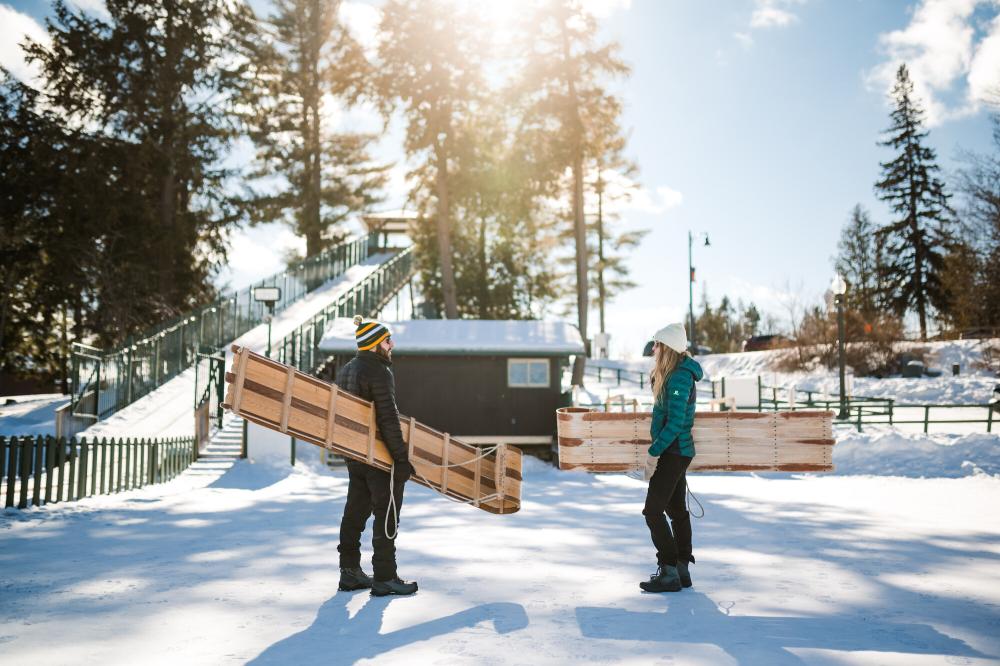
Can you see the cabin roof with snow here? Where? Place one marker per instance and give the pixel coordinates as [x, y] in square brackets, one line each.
[465, 337]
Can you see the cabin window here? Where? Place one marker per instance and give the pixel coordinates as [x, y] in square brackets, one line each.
[528, 373]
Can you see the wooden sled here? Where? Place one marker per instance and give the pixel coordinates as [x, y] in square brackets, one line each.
[281, 398]
[723, 441]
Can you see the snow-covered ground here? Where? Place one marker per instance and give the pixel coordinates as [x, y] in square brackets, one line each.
[238, 564]
[974, 385]
[30, 414]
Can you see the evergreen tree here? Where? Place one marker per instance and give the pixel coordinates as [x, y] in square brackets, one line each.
[916, 241]
[156, 85]
[609, 247]
[310, 62]
[572, 112]
[858, 262]
[429, 67]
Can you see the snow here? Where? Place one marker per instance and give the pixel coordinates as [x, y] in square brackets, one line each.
[457, 336]
[169, 410]
[886, 451]
[30, 414]
[237, 563]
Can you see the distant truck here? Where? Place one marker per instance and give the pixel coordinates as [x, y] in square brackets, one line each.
[765, 342]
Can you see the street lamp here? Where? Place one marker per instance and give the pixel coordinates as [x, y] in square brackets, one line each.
[694, 345]
[839, 288]
[269, 296]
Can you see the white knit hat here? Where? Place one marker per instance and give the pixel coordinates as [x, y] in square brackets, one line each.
[673, 336]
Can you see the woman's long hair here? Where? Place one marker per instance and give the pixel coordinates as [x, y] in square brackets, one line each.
[665, 360]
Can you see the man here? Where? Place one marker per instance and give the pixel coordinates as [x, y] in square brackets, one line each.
[368, 375]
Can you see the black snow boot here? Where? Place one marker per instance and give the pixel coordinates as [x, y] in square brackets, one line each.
[382, 588]
[353, 578]
[683, 573]
[664, 580]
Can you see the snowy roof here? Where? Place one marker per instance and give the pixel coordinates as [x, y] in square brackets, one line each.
[454, 337]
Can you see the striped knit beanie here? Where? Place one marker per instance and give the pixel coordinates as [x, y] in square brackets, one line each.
[369, 333]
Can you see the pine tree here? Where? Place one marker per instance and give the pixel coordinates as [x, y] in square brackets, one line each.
[310, 62]
[156, 87]
[429, 66]
[858, 261]
[612, 184]
[916, 241]
[571, 110]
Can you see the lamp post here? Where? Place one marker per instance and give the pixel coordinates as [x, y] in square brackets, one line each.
[839, 289]
[693, 343]
[269, 296]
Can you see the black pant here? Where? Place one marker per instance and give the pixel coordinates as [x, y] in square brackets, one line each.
[666, 496]
[368, 493]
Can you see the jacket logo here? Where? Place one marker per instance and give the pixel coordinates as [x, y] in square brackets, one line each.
[676, 392]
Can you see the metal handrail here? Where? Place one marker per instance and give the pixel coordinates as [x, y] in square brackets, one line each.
[119, 377]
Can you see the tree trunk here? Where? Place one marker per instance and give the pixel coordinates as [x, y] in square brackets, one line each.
[579, 224]
[580, 234]
[443, 225]
[483, 282]
[312, 225]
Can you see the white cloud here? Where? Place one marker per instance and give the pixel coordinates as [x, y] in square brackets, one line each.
[14, 27]
[767, 15]
[658, 201]
[984, 71]
[94, 7]
[942, 52]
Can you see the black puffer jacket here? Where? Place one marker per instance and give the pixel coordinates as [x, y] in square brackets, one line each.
[369, 376]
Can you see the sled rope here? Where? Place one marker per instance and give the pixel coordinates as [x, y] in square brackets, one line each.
[691, 496]
[476, 501]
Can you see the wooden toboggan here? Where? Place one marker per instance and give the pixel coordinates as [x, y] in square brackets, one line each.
[800, 441]
[281, 398]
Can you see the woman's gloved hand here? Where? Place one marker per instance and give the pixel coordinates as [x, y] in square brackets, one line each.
[651, 462]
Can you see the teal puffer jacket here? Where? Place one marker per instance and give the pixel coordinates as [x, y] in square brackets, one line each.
[673, 411]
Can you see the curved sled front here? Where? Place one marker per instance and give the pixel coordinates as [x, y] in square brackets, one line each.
[784, 441]
[279, 397]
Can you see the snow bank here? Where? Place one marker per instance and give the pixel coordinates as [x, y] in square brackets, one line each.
[887, 452]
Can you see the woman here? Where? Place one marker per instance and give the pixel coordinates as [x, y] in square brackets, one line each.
[673, 382]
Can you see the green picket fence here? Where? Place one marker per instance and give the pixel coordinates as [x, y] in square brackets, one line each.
[45, 470]
[104, 382]
[300, 348]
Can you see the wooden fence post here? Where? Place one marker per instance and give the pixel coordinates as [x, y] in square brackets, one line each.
[25, 471]
[71, 486]
[82, 490]
[36, 495]
[13, 455]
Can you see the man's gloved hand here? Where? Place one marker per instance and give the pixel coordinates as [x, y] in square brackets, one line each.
[402, 470]
[651, 462]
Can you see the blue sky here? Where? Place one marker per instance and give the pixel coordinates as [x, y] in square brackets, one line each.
[755, 121]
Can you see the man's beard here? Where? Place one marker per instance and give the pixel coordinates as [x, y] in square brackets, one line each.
[387, 355]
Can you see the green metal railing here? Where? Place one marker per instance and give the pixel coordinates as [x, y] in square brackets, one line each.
[45, 470]
[105, 382]
[300, 348]
[864, 410]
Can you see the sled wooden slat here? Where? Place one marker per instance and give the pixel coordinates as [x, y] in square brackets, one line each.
[281, 398]
[800, 441]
